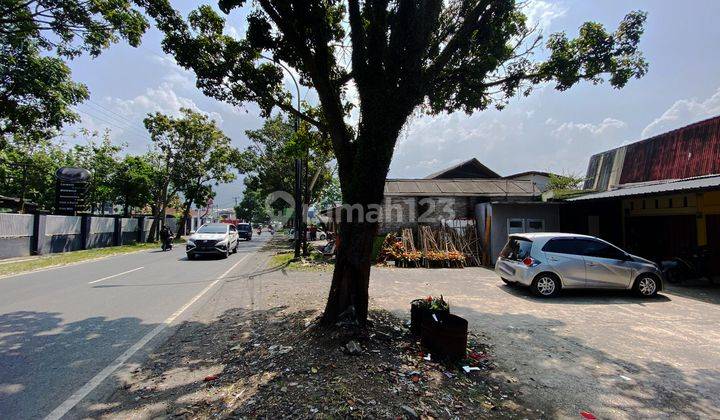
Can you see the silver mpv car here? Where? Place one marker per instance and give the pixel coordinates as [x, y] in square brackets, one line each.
[549, 262]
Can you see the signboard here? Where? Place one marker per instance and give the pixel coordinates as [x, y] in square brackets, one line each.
[71, 186]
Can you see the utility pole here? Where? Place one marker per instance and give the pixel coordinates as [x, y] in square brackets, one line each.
[298, 165]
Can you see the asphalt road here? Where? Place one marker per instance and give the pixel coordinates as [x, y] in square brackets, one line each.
[62, 328]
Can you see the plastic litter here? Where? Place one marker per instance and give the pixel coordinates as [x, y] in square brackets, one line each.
[588, 415]
[469, 369]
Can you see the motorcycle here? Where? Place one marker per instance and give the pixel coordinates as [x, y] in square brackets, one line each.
[691, 265]
[167, 245]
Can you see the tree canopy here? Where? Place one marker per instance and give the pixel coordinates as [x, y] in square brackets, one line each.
[71, 27]
[36, 92]
[36, 89]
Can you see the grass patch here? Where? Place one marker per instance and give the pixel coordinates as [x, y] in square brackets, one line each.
[70, 258]
[314, 262]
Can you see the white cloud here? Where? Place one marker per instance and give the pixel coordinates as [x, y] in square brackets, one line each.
[507, 142]
[176, 75]
[684, 112]
[543, 13]
[571, 131]
[160, 99]
[124, 117]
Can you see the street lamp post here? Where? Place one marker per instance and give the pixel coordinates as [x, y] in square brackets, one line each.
[298, 166]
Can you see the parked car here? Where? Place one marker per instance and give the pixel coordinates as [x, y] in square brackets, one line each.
[245, 231]
[213, 238]
[320, 234]
[550, 262]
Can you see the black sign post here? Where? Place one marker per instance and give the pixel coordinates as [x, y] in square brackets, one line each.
[70, 190]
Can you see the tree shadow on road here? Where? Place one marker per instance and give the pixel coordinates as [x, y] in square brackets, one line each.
[43, 359]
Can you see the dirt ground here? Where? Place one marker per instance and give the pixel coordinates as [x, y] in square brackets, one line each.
[608, 353]
[254, 351]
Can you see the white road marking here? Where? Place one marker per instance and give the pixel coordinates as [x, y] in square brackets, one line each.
[116, 275]
[86, 389]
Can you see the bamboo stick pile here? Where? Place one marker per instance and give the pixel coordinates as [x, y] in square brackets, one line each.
[435, 247]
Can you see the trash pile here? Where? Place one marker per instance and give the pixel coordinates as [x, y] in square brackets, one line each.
[284, 366]
[443, 247]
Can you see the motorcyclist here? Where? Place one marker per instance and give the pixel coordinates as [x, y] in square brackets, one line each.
[166, 238]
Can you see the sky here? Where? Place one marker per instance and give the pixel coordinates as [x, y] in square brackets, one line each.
[547, 131]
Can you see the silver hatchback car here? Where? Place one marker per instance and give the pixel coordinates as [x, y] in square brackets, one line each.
[549, 262]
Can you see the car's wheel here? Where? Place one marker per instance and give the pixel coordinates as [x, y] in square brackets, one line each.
[227, 252]
[546, 285]
[190, 256]
[509, 283]
[646, 285]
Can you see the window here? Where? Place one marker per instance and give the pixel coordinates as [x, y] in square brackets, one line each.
[212, 229]
[632, 205]
[232, 228]
[685, 204]
[643, 204]
[515, 226]
[563, 246]
[535, 225]
[244, 227]
[598, 249]
[657, 203]
[516, 249]
[670, 203]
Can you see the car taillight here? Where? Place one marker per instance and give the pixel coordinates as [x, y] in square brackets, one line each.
[528, 261]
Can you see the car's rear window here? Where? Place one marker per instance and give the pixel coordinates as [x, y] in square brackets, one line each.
[244, 228]
[516, 249]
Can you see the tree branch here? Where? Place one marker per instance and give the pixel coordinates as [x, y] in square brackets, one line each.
[472, 22]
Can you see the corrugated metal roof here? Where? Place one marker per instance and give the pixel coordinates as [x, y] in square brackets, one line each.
[461, 187]
[689, 151]
[696, 183]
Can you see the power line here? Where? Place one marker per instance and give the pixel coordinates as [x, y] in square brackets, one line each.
[117, 114]
[103, 120]
[126, 123]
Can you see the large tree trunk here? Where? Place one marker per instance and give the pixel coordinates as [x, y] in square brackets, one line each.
[362, 168]
[363, 188]
[348, 299]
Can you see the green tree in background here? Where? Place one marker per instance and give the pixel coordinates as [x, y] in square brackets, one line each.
[133, 182]
[331, 194]
[207, 159]
[99, 156]
[252, 206]
[27, 171]
[195, 155]
[565, 182]
[430, 55]
[272, 152]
